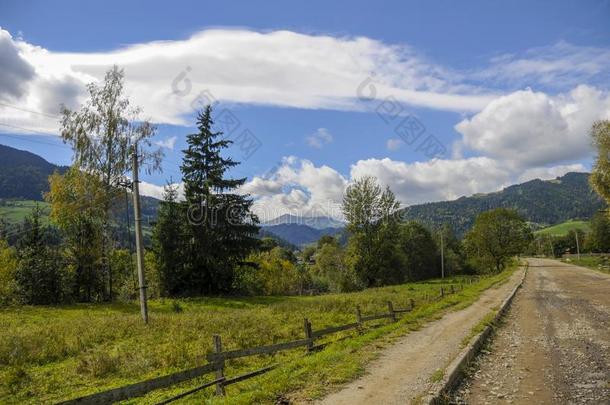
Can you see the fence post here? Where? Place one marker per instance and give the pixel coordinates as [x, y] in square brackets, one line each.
[452, 289]
[412, 302]
[358, 316]
[220, 365]
[391, 311]
[442, 292]
[308, 334]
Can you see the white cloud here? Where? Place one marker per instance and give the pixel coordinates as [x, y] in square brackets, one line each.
[156, 191]
[530, 129]
[168, 143]
[548, 173]
[319, 138]
[259, 186]
[297, 187]
[394, 144]
[280, 68]
[519, 136]
[419, 182]
[301, 188]
[561, 65]
[16, 71]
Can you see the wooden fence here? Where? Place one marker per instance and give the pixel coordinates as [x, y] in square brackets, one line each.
[218, 358]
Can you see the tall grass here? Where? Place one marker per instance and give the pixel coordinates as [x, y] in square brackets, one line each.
[49, 354]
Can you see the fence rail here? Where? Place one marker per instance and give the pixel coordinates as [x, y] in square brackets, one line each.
[218, 358]
[252, 351]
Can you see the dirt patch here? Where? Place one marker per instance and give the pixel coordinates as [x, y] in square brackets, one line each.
[405, 371]
[553, 346]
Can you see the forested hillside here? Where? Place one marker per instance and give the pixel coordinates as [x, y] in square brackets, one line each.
[540, 202]
[298, 234]
[23, 174]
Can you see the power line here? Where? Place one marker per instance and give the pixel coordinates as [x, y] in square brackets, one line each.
[25, 129]
[165, 159]
[29, 111]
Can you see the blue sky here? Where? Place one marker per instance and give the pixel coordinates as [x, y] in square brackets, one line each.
[507, 90]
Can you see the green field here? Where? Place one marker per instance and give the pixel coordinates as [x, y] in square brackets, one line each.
[563, 228]
[48, 354]
[599, 263]
[14, 211]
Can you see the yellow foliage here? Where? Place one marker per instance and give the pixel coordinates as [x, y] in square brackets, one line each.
[8, 264]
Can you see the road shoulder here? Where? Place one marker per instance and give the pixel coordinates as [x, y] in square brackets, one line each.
[407, 370]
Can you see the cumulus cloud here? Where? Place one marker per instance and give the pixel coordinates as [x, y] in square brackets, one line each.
[433, 181]
[297, 187]
[16, 71]
[548, 173]
[156, 191]
[301, 188]
[528, 128]
[319, 138]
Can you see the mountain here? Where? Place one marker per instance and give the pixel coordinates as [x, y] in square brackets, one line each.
[319, 222]
[24, 175]
[263, 233]
[541, 202]
[299, 235]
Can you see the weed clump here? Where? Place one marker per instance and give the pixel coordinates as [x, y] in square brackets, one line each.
[97, 363]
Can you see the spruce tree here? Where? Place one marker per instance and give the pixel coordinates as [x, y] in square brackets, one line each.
[40, 275]
[168, 241]
[221, 228]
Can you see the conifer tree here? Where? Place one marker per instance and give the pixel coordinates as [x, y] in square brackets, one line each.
[40, 274]
[222, 230]
[168, 242]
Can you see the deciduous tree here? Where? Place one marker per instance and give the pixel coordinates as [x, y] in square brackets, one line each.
[102, 135]
[371, 212]
[77, 207]
[496, 236]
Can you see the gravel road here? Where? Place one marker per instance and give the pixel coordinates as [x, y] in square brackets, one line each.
[553, 347]
[404, 371]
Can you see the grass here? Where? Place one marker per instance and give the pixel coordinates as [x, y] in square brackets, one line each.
[49, 354]
[437, 376]
[565, 227]
[15, 211]
[599, 263]
[488, 320]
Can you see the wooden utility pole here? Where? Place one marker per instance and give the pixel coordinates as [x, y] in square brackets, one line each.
[442, 256]
[139, 243]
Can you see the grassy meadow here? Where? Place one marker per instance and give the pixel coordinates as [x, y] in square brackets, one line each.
[15, 211]
[49, 354]
[599, 263]
[565, 227]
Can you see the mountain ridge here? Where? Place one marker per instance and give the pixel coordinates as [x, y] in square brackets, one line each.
[24, 175]
[541, 202]
[316, 222]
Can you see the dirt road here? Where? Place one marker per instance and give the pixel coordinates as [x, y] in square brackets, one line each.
[404, 371]
[554, 344]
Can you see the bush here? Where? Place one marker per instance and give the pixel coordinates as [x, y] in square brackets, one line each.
[8, 266]
[335, 269]
[270, 273]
